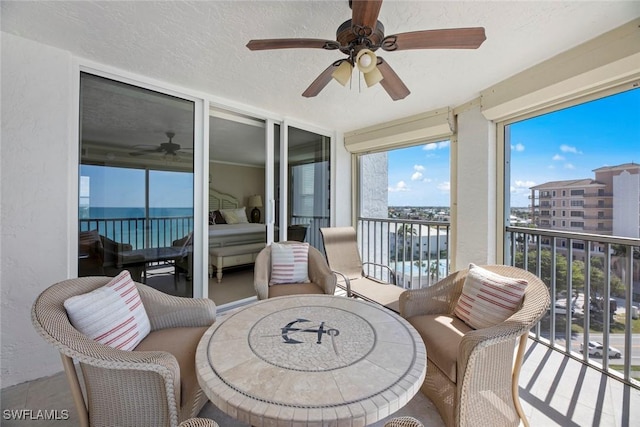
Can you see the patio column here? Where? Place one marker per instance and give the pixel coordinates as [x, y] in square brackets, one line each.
[474, 189]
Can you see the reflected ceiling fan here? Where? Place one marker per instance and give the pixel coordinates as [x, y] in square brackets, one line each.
[169, 148]
[360, 36]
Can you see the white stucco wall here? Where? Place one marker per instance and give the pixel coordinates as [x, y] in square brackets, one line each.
[36, 171]
[38, 195]
[374, 185]
[626, 205]
[475, 222]
[341, 183]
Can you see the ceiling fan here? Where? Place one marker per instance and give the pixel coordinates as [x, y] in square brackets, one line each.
[360, 36]
[169, 148]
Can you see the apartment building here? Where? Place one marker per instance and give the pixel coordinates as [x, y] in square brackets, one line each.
[608, 204]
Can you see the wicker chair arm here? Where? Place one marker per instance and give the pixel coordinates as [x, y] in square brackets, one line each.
[347, 282]
[167, 311]
[391, 272]
[437, 299]
[320, 273]
[261, 273]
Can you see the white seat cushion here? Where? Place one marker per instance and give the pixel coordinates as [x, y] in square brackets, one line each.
[289, 263]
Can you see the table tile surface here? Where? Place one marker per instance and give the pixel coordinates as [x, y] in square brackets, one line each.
[311, 360]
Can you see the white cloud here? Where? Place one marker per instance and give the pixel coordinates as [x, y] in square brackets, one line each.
[524, 184]
[558, 157]
[417, 175]
[400, 186]
[569, 166]
[436, 145]
[569, 149]
[444, 186]
[518, 147]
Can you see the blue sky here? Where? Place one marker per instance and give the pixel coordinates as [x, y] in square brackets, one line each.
[123, 187]
[567, 144]
[419, 176]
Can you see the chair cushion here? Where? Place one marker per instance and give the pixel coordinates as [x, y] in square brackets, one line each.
[289, 263]
[441, 335]
[182, 344]
[294, 289]
[488, 298]
[112, 314]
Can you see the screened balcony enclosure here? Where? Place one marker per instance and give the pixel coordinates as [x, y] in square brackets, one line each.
[494, 176]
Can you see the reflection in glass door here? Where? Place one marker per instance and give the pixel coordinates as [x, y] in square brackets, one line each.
[238, 203]
[308, 185]
[136, 198]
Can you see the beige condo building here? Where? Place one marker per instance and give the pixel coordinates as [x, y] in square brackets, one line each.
[609, 204]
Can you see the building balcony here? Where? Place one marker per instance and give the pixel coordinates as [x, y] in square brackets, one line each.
[597, 195]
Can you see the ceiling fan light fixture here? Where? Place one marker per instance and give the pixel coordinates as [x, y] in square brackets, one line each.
[342, 74]
[366, 60]
[373, 77]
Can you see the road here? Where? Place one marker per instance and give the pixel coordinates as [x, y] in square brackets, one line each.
[615, 340]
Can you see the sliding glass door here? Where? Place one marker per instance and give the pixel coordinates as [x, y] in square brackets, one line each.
[136, 198]
[305, 185]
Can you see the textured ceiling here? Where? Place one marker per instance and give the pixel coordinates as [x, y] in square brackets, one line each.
[201, 45]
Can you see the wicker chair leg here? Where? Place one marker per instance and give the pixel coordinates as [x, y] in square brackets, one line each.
[516, 376]
[76, 391]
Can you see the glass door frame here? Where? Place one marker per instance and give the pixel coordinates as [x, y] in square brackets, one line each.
[284, 169]
[200, 165]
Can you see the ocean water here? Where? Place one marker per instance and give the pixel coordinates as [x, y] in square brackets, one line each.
[129, 225]
[111, 213]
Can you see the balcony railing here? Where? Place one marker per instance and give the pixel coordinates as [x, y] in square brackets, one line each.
[592, 300]
[141, 233]
[417, 251]
[313, 223]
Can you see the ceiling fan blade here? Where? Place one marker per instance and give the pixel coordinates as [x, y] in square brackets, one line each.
[365, 13]
[267, 44]
[322, 80]
[391, 82]
[147, 151]
[453, 38]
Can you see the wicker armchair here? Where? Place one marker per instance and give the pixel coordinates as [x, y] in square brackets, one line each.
[198, 422]
[322, 280]
[479, 387]
[153, 387]
[403, 422]
[182, 264]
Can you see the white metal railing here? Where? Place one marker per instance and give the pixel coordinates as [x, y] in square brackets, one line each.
[417, 251]
[141, 233]
[591, 283]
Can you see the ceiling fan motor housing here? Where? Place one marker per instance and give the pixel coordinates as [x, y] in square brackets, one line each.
[354, 39]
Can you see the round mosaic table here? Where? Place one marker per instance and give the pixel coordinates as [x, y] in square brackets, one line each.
[311, 360]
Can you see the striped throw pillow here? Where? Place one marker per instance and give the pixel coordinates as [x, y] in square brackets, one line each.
[289, 263]
[488, 298]
[112, 315]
